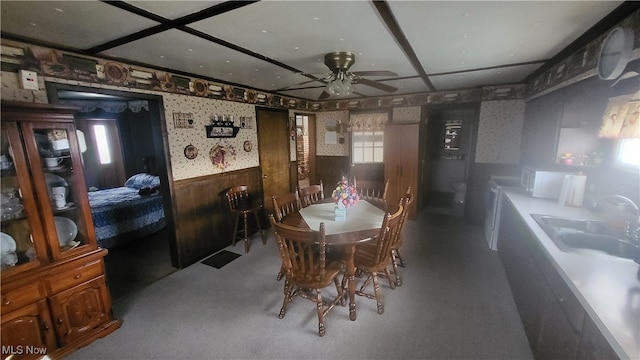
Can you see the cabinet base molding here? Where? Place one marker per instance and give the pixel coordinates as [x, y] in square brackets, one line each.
[99, 333]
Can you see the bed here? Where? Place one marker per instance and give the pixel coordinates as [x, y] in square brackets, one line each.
[123, 214]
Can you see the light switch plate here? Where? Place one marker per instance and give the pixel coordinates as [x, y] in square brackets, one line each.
[29, 80]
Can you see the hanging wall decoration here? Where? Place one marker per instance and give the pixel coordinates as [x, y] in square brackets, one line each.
[247, 146]
[222, 155]
[183, 120]
[190, 152]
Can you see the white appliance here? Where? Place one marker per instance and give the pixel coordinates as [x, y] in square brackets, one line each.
[543, 183]
[493, 202]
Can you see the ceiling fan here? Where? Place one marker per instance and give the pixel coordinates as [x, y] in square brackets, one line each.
[340, 82]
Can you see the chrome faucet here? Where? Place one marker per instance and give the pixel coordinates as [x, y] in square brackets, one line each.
[623, 204]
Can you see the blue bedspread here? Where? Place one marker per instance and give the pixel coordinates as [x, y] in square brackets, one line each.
[120, 214]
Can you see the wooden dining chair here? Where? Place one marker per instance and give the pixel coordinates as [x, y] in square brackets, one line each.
[306, 268]
[241, 204]
[311, 194]
[285, 204]
[373, 260]
[371, 190]
[396, 258]
[282, 206]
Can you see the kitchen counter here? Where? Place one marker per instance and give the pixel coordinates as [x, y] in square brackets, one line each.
[606, 286]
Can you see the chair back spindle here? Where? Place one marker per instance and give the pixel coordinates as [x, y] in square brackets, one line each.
[305, 267]
[311, 194]
[286, 204]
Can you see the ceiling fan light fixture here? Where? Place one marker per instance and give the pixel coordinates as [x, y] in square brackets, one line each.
[341, 85]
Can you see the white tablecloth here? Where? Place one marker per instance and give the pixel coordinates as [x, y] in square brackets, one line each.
[362, 216]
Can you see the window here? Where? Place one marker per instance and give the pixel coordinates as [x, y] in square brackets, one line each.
[627, 154]
[367, 146]
[100, 132]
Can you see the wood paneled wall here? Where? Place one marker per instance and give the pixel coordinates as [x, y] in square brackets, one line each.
[329, 169]
[203, 222]
[372, 172]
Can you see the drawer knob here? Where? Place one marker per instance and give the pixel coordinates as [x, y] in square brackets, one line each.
[77, 276]
[60, 321]
[6, 301]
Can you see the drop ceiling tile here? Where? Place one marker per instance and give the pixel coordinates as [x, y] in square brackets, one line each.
[457, 35]
[510, 75]
[73, 24]
[175, 49]
[300, 33]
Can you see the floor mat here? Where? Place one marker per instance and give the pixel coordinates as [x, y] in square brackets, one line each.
[220, 259]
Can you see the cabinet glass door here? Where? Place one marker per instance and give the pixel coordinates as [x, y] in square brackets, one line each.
[54, 155]
[20, 222]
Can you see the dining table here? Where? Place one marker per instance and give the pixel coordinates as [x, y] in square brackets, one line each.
[362, 224]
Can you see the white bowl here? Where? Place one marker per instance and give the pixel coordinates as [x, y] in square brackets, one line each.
[67, 230]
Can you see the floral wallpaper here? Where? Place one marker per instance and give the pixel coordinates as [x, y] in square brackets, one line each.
[407, 114]
[202, 110]
[11, 89]
[322, 119]
[234, 155]
[499, 131]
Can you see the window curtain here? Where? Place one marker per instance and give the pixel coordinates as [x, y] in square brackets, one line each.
[110, 105]
[622, 118]
[371, 121]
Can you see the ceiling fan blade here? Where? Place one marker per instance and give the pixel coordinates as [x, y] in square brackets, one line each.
[324, 95]
[309, 81]
[376, 84]
[374, 73]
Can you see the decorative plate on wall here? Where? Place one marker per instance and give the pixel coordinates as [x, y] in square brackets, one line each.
[115, 72]
[190, 152]
[199, 87]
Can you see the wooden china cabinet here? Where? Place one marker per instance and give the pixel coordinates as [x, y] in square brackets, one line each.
[54, 293]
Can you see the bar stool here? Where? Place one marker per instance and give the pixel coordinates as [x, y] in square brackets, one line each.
[242, 205]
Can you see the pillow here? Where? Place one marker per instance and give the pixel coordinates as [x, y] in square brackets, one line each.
[139, 181]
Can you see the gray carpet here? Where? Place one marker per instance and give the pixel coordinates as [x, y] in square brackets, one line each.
[135, 265]
[455, 304]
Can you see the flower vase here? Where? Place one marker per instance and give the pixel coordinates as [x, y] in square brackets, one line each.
[340, 212]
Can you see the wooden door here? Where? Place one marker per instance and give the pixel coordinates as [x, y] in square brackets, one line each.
[312, 150]
[273, 145]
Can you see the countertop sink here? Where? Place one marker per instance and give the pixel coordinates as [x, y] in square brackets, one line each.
[570, 234]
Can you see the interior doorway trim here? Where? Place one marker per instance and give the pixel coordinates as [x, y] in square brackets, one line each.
[156, 107]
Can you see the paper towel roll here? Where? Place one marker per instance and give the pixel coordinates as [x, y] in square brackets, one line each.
[573, 188]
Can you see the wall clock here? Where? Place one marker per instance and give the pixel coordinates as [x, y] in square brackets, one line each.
[615, 53]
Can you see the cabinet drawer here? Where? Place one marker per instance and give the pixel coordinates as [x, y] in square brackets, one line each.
[18, 297]
[74, 277]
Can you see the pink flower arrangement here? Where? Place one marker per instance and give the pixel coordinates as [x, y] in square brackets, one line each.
[345, 194]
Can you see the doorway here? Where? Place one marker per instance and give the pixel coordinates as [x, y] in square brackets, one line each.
[450, 135]
[305, 127]
[151, 254]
